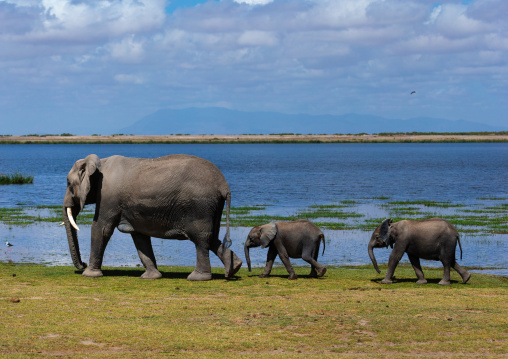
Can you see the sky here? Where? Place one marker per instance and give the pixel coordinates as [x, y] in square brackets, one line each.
[93, 67]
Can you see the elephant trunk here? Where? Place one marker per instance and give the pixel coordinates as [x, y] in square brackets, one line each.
[371, 255]
[72, 238]
[247, 256]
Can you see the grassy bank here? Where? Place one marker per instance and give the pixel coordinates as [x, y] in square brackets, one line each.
[346, 313]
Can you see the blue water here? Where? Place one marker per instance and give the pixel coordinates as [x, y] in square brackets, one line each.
[283, 176]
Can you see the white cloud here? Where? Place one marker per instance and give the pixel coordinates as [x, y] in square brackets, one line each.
[258, 38]
[128, 50]
[254, 2]
[129, 79]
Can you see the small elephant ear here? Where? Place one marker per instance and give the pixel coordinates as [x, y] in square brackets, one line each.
[268, 233]
[384, 230]
[87, 168]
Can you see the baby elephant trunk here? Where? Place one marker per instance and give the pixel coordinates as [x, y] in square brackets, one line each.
[247, 256]
[371, 255]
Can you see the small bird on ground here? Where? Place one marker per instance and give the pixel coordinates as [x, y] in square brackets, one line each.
[8, 244]
[412, 92]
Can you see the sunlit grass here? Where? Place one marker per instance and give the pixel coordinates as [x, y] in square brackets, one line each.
[57, 312]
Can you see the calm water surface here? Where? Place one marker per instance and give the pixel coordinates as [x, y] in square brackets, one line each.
[285, 177]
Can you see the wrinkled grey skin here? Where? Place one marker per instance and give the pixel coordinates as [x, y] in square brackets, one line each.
[297, 239]
[173, 197]
[433, 239]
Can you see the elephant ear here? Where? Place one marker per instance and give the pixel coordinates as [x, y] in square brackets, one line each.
[268, 233]
[384, 231]
[87, 168]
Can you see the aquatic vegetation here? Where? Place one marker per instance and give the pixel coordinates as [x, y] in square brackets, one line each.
[349, 201]
[15, 178]
[473, 219]
[444, 204]
[24, 216]
[243, 210]
[326, 213]
[337, 205]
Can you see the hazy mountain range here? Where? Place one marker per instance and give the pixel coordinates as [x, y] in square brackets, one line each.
[221, 121]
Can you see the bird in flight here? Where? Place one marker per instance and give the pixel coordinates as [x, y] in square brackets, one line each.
[412, 92]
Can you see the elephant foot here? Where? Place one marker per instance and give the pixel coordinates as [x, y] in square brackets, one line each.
[444, 282]
[466, 277]
[230, 271]
[197, 276]
[293, 276]
[322, 272]
[263, 275]
[386, 281]
[152, 274]
[313, 274]
[421, 281]
[92, 273]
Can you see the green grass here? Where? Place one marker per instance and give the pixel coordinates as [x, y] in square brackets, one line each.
[347, 313]
[15, 178]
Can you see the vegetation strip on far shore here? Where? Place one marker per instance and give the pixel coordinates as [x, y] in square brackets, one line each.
[413, 137]
[54, 311]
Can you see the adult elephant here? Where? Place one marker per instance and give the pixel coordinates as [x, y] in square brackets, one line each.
[173, 197]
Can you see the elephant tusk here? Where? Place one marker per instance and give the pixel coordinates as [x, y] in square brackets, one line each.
[62, 224]
[71, 218]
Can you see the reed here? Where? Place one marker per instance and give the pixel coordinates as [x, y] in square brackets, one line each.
[15, 178]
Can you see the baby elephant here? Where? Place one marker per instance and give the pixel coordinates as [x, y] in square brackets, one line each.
[433, 239]
[297, 239]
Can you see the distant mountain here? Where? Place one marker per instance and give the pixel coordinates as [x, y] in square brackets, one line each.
[221, 121]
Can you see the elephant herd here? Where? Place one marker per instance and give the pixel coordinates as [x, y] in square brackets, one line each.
[183, 197]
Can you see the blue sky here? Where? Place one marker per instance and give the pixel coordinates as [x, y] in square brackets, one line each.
[97, 66]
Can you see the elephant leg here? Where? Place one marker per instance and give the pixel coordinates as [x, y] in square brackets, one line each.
[394, 259]
[463, 273]
[415, 262]
[230, 260]
[100, 239]
[270, 258]
[317, 269]
[203, 269]
[446, 273]
[284, 257]
[145, 251]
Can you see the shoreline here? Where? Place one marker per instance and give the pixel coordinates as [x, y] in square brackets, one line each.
[254, 139]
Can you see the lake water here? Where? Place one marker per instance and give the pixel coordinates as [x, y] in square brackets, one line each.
[284, 177]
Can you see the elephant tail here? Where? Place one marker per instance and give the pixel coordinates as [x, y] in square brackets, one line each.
[460, 247]
[227, 239]
[322, 236]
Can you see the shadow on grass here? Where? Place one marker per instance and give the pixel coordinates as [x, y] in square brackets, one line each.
[412, 280]
[165, 274]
